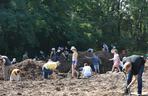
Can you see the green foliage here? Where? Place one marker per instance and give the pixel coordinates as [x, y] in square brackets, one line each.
[32, 25]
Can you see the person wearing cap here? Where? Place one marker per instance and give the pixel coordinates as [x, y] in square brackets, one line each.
[5, 63]
[134, 67]
[74, 62]
[49, 68]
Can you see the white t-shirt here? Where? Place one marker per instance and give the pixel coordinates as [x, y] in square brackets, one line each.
[87, 71]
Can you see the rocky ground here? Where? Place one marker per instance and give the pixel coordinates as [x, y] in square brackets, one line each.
[109, 84]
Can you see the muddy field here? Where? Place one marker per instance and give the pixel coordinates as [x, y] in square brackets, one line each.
[109, 84]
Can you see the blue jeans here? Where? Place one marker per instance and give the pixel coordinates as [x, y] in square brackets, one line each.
[46, 73]
[129, 79]
[97, 69]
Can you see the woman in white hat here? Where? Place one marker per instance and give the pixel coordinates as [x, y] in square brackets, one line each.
[74, 61]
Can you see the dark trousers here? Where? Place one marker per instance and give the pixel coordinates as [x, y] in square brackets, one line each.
[46, 73]
[130, 75]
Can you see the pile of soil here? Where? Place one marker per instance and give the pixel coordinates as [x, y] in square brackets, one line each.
[32, 69]
[105, 66]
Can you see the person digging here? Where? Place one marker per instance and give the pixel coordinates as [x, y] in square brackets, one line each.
[134, 68]
[49, 68]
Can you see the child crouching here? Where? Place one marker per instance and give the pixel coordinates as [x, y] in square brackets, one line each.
[87, 71]
[15, 75]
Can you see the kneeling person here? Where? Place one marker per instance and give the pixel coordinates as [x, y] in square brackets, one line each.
[15, 75]
[87, 71]
[49, 69]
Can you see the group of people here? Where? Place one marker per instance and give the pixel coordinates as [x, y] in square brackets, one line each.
[5, 64]
[54, 54]
[133, 66]
[86, 71]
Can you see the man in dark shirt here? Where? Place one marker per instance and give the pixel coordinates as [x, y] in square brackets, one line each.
[134, 67]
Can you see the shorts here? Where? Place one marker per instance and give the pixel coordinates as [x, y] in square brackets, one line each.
[74, 62]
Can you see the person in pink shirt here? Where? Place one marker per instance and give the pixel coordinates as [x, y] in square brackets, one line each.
[116, 60]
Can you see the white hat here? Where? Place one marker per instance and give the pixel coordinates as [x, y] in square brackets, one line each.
[73, 48]
[53, 49]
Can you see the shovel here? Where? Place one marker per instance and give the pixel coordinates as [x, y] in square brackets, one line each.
[127, 91]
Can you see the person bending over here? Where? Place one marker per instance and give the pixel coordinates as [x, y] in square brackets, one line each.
[15, 75]
[134, 67]
[49, 68]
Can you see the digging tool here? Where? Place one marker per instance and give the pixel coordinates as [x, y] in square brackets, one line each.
[127, 90]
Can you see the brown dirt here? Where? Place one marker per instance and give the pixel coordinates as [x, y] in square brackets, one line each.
[108, 84]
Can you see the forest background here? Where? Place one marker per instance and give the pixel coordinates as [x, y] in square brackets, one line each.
[33, 25]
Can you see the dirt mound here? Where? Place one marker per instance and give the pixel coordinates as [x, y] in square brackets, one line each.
[106, 64]
[33, 69]
[65, 65]
[30, 69]
[104, 67]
